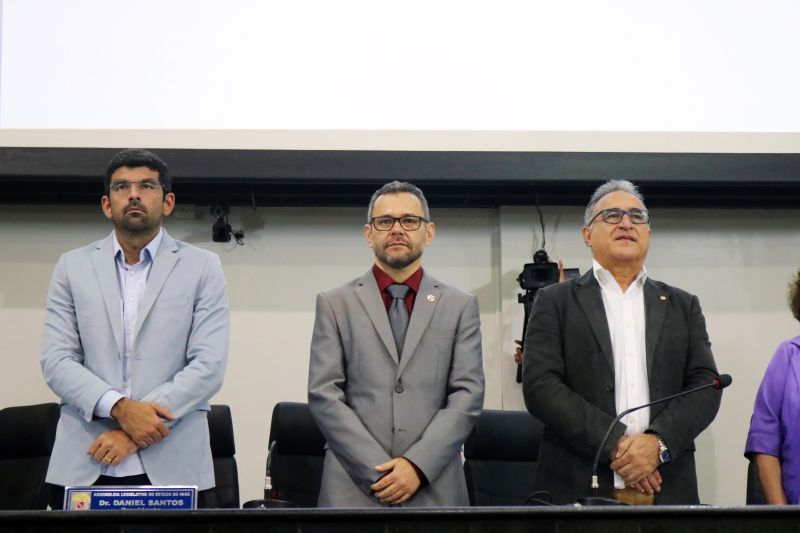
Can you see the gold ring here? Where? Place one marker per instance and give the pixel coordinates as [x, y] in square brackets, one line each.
[107, 459]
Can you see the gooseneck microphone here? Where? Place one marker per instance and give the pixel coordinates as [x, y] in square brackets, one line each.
[268, 477]
[720, 382]
[270, 500]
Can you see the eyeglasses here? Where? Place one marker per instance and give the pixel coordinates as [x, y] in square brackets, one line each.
[408, 222]
[615, 215]
[145, 186]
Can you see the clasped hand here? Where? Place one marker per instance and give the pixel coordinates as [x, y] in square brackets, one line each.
[635, 460]
[400, 482]
[141, 425]
[111, 447]
[142, 421]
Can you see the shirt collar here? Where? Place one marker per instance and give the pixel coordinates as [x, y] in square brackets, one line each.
[603, 276]
[147, 254]
[383, 279]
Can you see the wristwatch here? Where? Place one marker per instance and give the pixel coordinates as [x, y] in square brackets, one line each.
[664, 455]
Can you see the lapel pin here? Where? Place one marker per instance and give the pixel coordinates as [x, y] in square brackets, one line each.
[663, 298]
[431, 298]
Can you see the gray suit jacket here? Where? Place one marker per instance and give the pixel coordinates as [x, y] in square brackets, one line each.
[568, 383]
[372, 405]
[178, 358]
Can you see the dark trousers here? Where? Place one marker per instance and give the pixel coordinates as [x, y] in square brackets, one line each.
[206, 499]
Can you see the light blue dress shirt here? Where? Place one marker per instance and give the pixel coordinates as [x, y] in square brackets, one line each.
[132, 281]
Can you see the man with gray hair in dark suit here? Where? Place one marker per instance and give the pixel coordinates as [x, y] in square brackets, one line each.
[608, 341]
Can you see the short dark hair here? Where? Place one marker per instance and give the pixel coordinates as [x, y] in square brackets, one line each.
[396, 187]
[794, 295]
[139, 157]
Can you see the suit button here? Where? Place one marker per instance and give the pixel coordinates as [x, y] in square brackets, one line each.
[398, 388]
[609, 388]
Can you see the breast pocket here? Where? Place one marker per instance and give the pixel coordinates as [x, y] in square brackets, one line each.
[439, 333]
[172, 313]
[173, 301]
[431, 363]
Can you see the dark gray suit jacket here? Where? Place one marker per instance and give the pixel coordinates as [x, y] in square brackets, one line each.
[568, 383]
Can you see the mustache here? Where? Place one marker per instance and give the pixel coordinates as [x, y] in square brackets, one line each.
[134, 204]
[626, 235]
[395, 241]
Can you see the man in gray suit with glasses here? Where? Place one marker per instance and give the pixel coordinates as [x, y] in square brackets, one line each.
[135, 344]
[395, 378]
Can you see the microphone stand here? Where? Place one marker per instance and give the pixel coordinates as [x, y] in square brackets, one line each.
[720, 382]
[527, 301]
[269, 501]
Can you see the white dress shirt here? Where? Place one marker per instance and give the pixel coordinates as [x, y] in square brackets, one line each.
[626, 324]
[132, 281]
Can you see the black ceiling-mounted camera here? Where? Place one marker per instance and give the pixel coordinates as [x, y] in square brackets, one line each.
[221, 231]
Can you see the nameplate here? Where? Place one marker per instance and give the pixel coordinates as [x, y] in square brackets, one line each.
[109, 498]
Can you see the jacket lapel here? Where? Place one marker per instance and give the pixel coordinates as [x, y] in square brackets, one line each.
[424, 306]
[655, 310]
[163, 263]
[587, 292]
[105, 269]
[367, 291]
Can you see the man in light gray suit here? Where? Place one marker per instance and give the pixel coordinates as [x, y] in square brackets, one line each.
[395, 378]
[135, 344]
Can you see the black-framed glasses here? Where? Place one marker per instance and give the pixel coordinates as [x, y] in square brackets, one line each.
[615, 215]
[145, 186]
[408, 222]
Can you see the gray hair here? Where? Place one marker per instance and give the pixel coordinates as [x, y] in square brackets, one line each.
[396, 187]
[607, 188]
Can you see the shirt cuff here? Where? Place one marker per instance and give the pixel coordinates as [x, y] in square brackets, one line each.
[103, 407]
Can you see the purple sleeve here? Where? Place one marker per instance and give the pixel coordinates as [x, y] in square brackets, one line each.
[766, 430]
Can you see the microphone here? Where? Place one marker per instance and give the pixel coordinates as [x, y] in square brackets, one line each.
[271, 498]
[720, 382]
[268, 477]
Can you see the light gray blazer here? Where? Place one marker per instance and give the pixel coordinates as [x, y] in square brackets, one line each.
[178, 358]
[372, 405]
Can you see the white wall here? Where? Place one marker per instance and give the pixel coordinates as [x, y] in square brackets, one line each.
[679, 66]
[737, 262]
